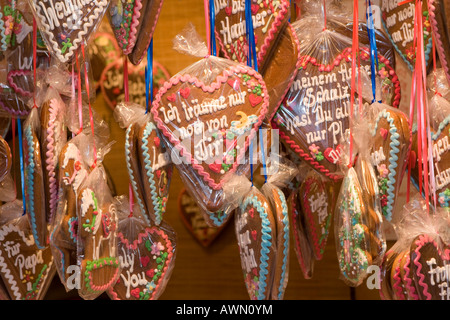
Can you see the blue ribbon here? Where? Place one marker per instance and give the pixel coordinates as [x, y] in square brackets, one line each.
[149, 77]
[251, 58]
[22, 170]
[373, 47]
[212, 20]
[263, 157]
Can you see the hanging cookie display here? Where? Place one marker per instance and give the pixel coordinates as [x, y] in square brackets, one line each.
[66, 27]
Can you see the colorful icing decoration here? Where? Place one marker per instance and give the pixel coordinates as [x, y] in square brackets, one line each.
[100, 267]
[34, 187]
[317, 209]
[65, 33]
[353, 255]
[256, 235]
[146, 260]
[189, 111]
[26, 270]
[429, 266]
[156, 171]
[269, 19]
[390, 152]
[398, 22]
[315, 114]
[194, 221]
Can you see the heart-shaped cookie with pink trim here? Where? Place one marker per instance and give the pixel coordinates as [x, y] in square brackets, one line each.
[429, 266]
[315, 114]
[26, 270]
[194, 220]
[209, 122]
[398, 22]
[256, 235]
[268, 18]
[66, 26]
[147, 258]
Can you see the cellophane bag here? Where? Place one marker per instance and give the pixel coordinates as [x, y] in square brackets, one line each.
[207, 114]
[278, 176]
[66, 30]
[414, 268]
[146, 252]
[22, 279]
[315, 114]
[97, 254]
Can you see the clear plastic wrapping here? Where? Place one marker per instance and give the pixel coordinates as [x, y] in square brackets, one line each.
[97, 240]
[23, 280]
[64, 31]
[208, 126]
[133, 24]
[148, 161]
[414, 267]
[147, 255]
[5, 158]
[315, 115]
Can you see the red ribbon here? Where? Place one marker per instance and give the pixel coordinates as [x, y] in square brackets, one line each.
[34, 61]
[125, 79]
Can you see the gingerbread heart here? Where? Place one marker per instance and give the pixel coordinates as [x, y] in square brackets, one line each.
[66, 26]
[256, 235]
[441, 156]
[5, 158]
[156, 171]
[390, 154]
[97, 243]
[429, 261]
[302, 247]
[111, 82]
[53, 137]
[210, 114]
[315, 115]
[34, 182]
[133, 23]
[352, 245]
[268, 17]
[318, 209]
[147, 257]
[194, 221]
[27, 271]
[398, 22]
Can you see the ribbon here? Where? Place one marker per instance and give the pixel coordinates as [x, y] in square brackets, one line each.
[373, 48]
[263, 157]
[212, 23]
[207, 23]
[22, 170]
[125, 79]
[251, 57]
[13, 133]
[80, 100]
[34, 60]
[149, 77]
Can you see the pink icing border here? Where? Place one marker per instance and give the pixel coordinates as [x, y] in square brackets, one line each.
[19, 90]
[220, 80]
[106, 285]
[410, 288]
[344, 55]
[134, 24]
[423, 240]
[397, 285]
[267, 40]
[134, 245]
[437, 38]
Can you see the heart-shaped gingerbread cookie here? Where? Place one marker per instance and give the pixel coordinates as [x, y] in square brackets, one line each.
[66, 26]
[429, 266]
[194, 221]
[26, 270]
[315, 114]
[398, 22]
[268, 17]
[256, 236]
[390, 154]
[210, 121]
[318, 209]
[147, 257]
